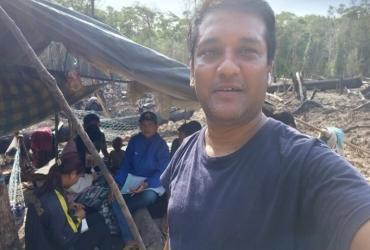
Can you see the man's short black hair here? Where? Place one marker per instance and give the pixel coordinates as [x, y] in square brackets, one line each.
[258, 7]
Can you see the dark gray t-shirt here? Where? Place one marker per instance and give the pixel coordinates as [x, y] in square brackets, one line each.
[281, 190]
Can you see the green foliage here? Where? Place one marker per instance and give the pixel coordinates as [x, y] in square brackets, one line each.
[335, 45]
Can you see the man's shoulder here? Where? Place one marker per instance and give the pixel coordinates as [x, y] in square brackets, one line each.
[289, 140]
[309, 154]
[188, 145]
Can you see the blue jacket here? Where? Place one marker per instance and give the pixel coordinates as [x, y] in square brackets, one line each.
[146, 157]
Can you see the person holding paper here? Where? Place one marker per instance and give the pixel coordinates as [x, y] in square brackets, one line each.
[67, 224]
[146, 158]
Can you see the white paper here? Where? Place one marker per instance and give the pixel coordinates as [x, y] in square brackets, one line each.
[84, 226]
[132, 182]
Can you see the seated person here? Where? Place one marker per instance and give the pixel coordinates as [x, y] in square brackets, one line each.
[91, 124]
[116, 155]
[184, 130]
[66, 223]
[146, 157]
[91, 188]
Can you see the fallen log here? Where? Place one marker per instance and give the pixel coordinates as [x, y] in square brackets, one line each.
[149, 230]
[351, 83]
[306, 106]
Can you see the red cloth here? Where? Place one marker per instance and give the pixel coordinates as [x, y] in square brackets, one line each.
[42, 146]
[42, 139]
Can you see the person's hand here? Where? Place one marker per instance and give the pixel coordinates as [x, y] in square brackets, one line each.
[79, 210]
[76, 205]
[80, 213]
[140, 188]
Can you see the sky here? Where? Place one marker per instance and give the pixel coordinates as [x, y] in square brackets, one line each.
[299, 7]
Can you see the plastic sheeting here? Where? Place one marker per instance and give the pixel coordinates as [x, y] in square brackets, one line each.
[100, 45]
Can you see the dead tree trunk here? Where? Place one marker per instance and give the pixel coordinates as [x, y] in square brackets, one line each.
[300, 87]
[352, 83]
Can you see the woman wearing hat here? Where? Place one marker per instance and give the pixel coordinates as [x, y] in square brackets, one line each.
[67, 225]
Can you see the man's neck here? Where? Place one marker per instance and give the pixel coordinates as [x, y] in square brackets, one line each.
[224, 140]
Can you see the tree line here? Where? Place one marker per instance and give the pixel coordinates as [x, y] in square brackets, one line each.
[335, 45]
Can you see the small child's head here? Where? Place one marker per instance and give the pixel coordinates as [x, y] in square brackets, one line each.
[117, 143]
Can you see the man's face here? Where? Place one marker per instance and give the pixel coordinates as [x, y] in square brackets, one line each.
[148, 128]
[230, 66]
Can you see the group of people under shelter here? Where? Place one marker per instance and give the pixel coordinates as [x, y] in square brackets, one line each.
[75, 193]
[243, 181]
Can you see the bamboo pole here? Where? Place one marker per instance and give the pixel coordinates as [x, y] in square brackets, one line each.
[52, 86]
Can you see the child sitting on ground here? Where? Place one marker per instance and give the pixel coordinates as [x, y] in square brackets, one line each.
[116, 155]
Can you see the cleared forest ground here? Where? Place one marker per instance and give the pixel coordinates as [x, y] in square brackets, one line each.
[338, 111]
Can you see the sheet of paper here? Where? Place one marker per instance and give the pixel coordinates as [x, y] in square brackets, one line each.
[132, 182]
[84, 226]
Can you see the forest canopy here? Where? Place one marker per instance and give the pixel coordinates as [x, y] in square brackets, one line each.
[335, 45]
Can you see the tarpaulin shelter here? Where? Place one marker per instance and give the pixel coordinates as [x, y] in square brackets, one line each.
[24, 99]
[107, 52]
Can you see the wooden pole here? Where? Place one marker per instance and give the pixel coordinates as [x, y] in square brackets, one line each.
[52, 86]
[56, 132]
